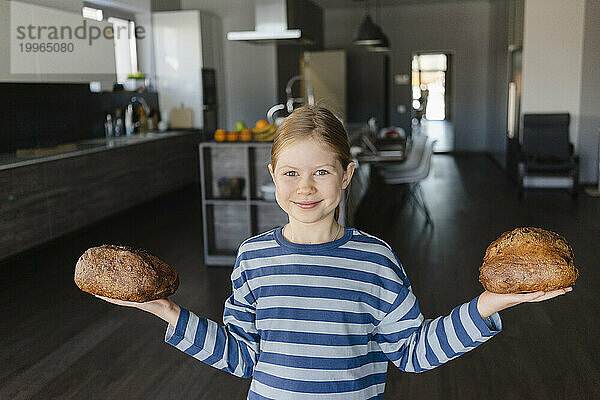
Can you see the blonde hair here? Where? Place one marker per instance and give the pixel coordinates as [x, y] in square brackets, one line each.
[315, 122]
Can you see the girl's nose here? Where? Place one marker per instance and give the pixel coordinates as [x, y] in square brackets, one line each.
[305, 186]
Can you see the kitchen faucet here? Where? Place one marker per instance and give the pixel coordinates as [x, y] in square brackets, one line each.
[271, 112]
[129, 124]
[291, 100]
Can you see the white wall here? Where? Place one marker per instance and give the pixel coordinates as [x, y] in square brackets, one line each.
[552, 58]
[589, 121]
[140, 7]
[73, 6]
[250, 70]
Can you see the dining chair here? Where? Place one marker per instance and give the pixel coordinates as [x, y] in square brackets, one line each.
[411, 172]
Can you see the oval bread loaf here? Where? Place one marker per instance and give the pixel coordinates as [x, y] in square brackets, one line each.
[528, 260]
[124, 273]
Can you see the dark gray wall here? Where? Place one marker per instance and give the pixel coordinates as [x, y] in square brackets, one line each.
[165, 5]
[589, 125]
[462, 29]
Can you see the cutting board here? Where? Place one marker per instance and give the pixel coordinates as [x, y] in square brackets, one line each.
[181, 117]
[46, 151]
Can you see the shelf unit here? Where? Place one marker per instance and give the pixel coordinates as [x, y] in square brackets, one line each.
[226, 223]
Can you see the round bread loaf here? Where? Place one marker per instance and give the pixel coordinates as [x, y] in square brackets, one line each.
[124, 273]
[528, 260]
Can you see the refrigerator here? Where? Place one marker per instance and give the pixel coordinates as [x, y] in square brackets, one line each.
[368, 88]
[513, 145]
[325, 72]
[188, 64]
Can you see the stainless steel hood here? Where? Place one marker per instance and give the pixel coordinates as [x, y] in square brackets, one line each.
[285, 22]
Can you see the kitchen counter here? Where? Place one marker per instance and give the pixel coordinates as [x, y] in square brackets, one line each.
[11, 160]
[47, 196]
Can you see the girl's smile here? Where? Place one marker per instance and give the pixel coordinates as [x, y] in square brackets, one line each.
[306, 205]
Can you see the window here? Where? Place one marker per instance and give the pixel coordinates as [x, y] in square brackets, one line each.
[125, 47]
[124, 42]
[429, 85]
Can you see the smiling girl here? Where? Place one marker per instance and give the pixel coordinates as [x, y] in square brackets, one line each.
[317, 310]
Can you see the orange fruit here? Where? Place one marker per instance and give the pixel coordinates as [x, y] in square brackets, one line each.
[233, 136]
[246, 135]
[261, 123]
[220, 135]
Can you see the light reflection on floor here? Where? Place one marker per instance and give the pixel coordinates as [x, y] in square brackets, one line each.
[442, 131]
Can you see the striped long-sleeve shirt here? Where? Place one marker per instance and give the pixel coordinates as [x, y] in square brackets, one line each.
[321, 321]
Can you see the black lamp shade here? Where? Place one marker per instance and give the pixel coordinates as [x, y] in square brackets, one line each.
[368, 33]
[383, 46]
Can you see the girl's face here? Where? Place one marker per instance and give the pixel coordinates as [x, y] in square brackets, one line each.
[309, 180]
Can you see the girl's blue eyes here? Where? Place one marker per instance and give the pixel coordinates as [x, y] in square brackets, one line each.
[325, 172]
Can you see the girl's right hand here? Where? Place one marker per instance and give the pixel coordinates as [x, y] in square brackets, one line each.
[163, 308]
[141, 306]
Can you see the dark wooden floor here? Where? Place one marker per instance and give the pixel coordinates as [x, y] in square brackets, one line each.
[60, 343]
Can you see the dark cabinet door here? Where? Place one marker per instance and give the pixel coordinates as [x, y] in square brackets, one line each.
[367, 88]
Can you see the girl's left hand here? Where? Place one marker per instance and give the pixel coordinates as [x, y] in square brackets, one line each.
[490, 303]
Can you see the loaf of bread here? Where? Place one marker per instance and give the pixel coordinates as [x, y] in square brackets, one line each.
[124, 273]
[528, 260]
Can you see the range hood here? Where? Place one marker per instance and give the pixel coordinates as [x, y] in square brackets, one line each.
[284, 21]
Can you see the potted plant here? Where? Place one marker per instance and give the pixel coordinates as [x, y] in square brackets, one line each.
[136, 81]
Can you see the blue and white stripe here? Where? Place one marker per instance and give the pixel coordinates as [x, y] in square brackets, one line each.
[321, 321]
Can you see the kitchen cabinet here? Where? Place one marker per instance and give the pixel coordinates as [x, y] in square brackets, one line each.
[47, 197]
[228, 221]
[368, 88]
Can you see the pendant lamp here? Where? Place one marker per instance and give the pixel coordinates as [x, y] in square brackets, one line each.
[384, 44]
[368, 33]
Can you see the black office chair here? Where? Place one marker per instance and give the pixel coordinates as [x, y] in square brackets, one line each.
[547, 160]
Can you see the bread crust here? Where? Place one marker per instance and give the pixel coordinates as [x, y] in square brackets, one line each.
[528, 259]
[124, 273]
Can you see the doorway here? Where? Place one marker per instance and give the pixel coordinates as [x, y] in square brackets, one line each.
[431, 98]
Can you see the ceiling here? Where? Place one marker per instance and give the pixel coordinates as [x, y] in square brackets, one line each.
[329, 4]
